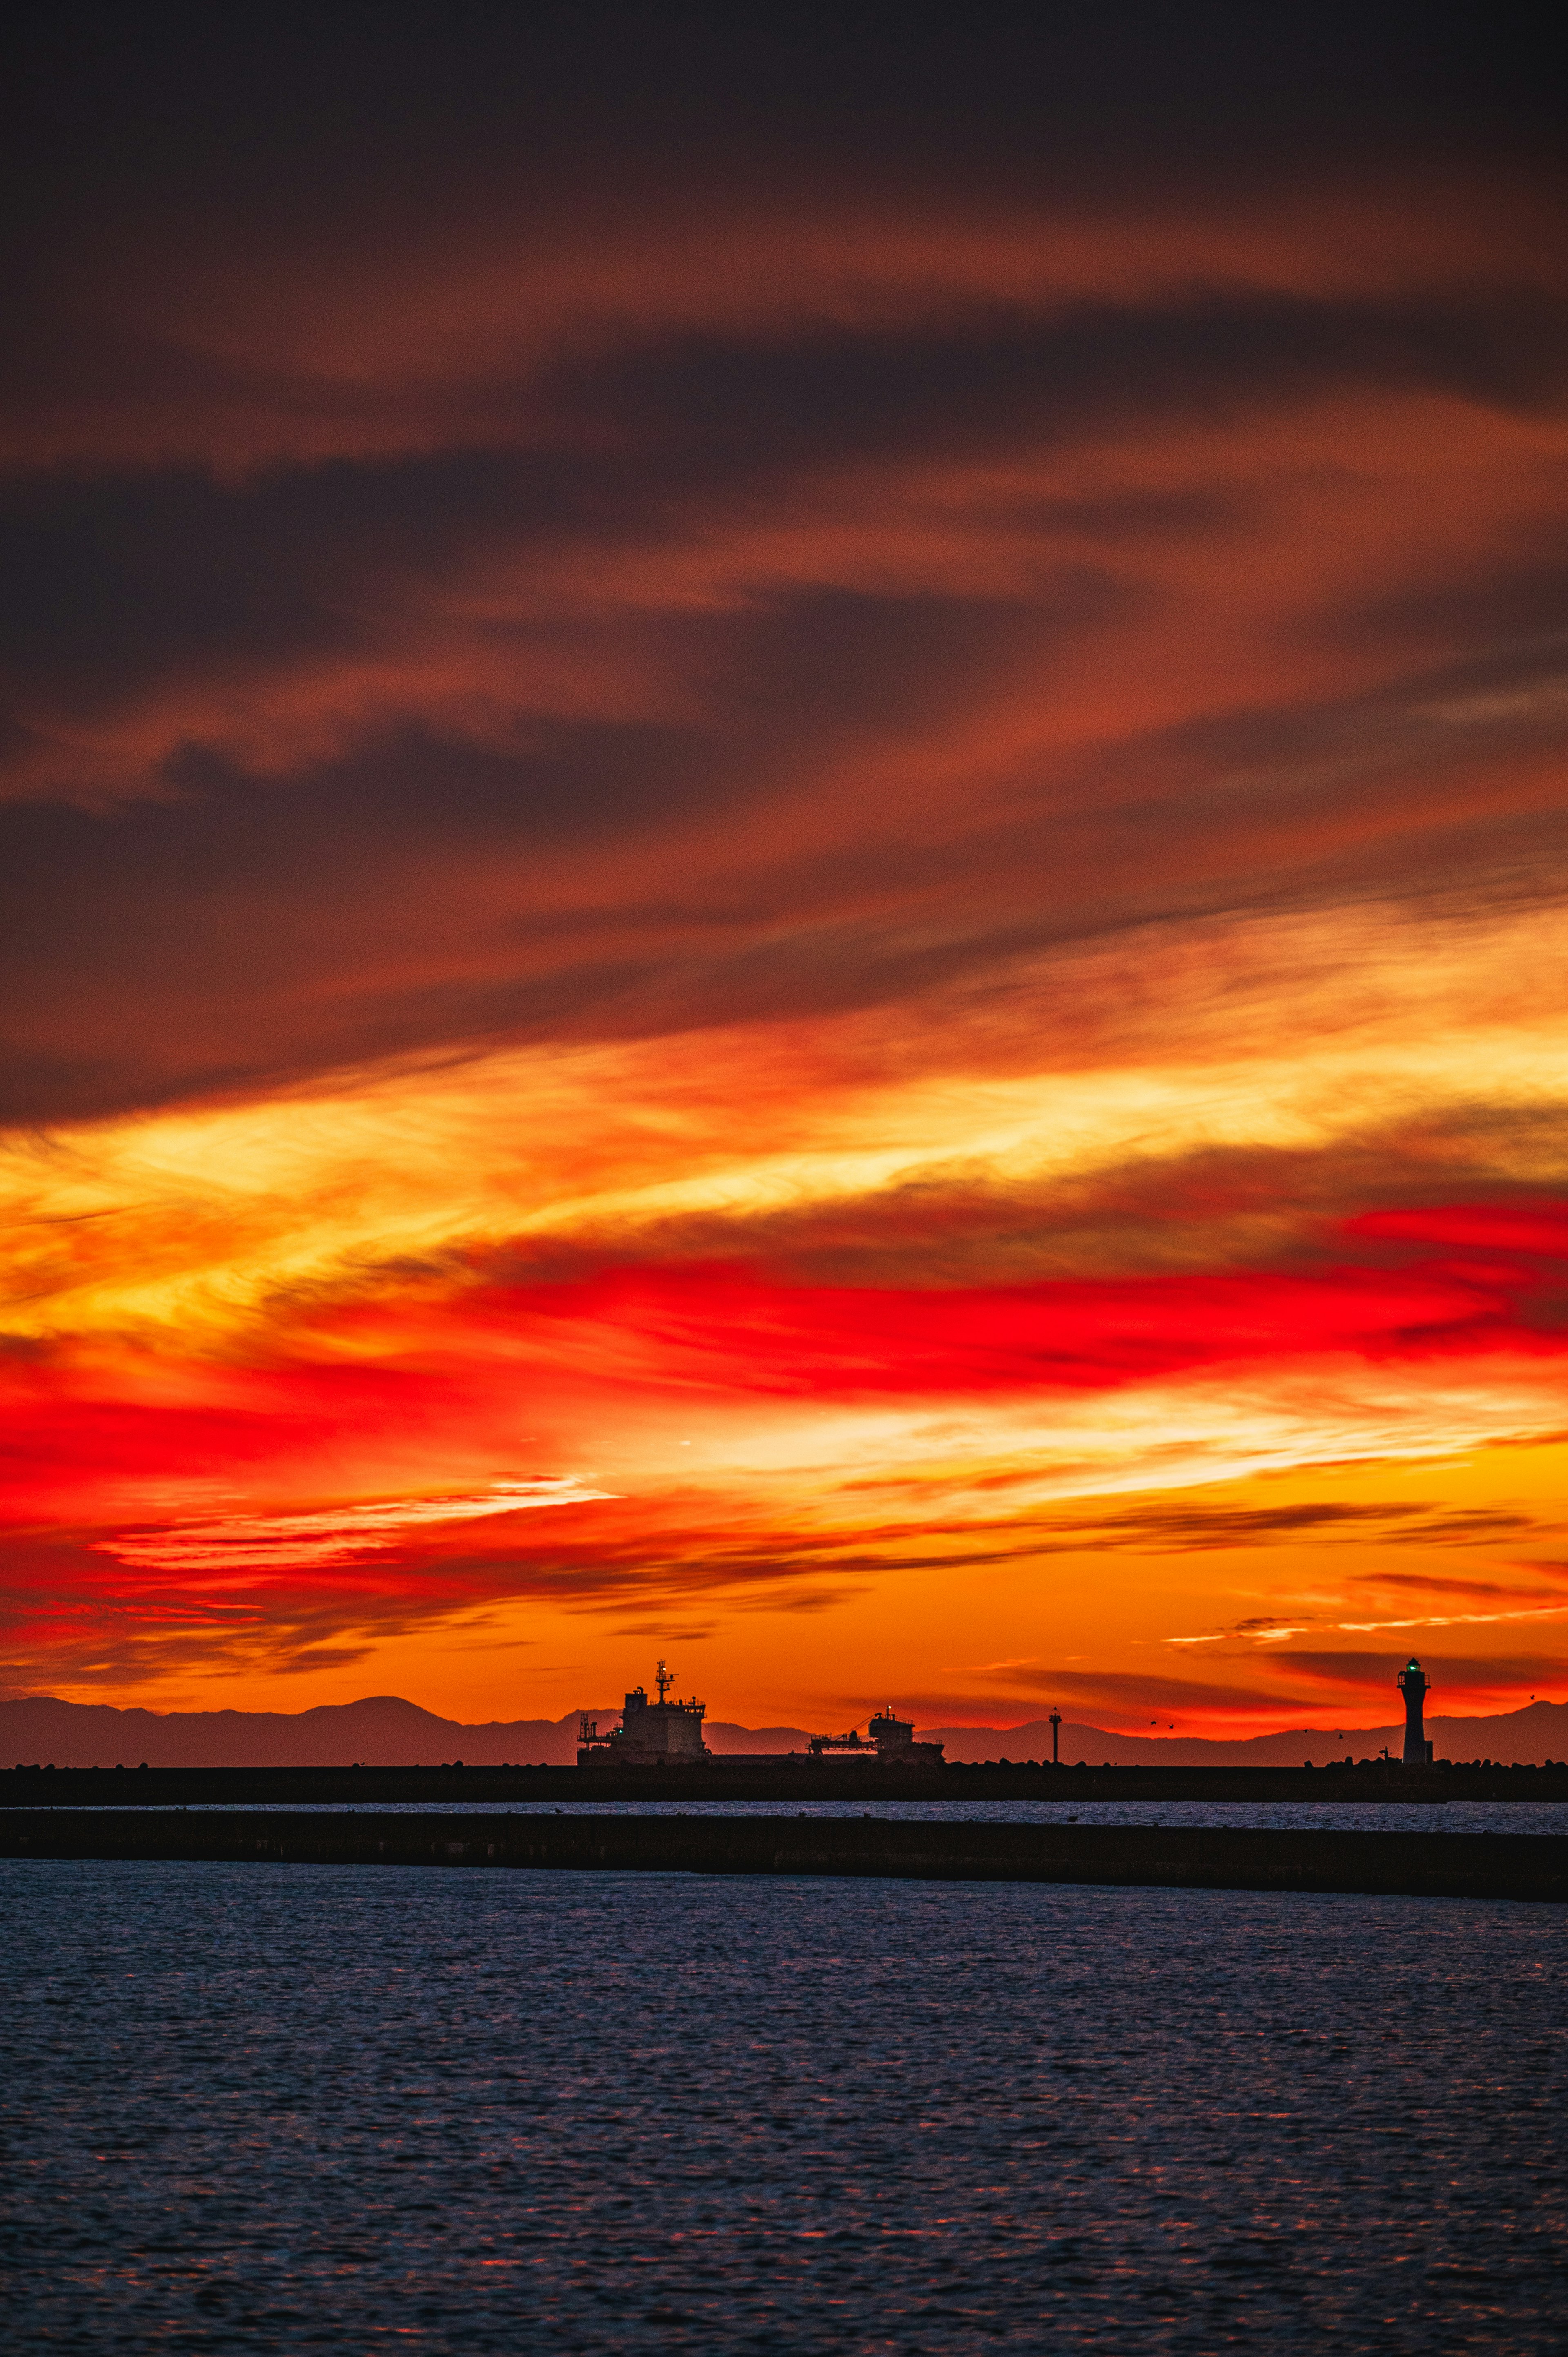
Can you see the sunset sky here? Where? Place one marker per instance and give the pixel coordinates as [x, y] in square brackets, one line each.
[784, 864]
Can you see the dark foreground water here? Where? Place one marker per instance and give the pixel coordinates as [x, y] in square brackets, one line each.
[349, 2110]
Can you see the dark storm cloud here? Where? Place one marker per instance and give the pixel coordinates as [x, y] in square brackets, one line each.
[783, 677]
[721, 405]
[109, 580]
[1510, 693]
[1518, 607]
[316, 714]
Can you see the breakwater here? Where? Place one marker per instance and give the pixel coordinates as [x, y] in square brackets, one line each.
[851, 1783]
[1508, 1866]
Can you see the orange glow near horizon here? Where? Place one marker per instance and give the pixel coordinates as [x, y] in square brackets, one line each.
[827, 934]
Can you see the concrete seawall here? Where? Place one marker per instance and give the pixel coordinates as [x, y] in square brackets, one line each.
[1419, 1865]
[851, 1783]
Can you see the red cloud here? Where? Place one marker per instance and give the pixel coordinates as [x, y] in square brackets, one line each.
[727, 1330]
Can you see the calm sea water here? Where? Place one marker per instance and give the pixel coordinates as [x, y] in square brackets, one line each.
[289, 2108]
[1346, 1816]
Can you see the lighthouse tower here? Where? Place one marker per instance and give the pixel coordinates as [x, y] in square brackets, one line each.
[1413, 1685]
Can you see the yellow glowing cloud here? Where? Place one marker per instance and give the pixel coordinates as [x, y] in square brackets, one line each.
[211, 1222]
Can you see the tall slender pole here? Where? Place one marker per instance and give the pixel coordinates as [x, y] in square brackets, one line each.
[1055, 1739]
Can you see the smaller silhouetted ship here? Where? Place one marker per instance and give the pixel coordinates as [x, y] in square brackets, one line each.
[668, 1734]
[890, 1737]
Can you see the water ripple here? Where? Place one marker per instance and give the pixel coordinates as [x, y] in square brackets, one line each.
[289, 2108]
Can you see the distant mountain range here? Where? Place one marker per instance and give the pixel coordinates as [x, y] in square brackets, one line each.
[385, 1731]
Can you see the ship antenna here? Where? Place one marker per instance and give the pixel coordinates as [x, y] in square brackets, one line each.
[663, 1679]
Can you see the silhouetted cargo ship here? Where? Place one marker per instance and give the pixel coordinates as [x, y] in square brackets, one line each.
[668, 1734]
[650, 1735]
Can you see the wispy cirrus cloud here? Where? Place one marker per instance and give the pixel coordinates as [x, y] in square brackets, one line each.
[1268, 1630]
[263, 1545]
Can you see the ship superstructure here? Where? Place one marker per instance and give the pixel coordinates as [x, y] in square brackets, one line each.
[650, 1734]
